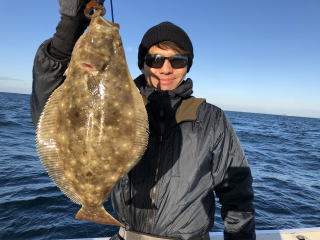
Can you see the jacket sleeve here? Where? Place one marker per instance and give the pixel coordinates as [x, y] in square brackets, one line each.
[48, 74]
[233, 183]
[52, 59]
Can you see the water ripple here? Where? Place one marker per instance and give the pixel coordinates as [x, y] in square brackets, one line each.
[283, 152]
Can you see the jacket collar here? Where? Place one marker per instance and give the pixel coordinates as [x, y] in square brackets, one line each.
[180, 99]
[184, 90]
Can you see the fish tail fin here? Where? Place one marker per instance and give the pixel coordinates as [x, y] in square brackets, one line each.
[97, 214]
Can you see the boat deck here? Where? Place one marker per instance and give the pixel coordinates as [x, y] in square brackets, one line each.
[286, 234]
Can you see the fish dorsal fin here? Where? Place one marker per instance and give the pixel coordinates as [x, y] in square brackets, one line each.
[46, 145]
[142, 126]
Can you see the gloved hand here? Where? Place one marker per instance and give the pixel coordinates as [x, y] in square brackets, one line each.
[71, 26]
[72, 7]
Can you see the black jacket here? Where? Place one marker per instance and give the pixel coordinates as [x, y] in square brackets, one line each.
[193, 153]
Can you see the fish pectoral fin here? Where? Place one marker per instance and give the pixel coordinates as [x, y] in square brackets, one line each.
[97, 214]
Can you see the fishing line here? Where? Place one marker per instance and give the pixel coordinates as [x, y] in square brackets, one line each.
[112, 11]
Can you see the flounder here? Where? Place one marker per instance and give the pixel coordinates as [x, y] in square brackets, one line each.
[94, 127]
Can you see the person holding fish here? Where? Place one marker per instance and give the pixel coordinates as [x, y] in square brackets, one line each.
[192, 153]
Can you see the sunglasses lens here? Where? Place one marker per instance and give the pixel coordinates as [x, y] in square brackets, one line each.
[157, 61]
[154, 61]
[179, 61]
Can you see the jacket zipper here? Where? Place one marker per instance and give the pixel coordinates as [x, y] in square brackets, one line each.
[154, 189]
[153, 193]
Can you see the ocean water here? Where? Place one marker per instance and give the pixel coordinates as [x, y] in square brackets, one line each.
[283, 152]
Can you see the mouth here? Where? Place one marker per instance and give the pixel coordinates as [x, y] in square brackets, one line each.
[166, 80]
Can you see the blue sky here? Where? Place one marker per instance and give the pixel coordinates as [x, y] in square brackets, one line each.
[250, 55]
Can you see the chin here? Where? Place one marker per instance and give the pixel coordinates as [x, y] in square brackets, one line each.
[167, 87]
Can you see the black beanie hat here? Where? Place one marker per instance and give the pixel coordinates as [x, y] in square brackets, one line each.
[165, 31]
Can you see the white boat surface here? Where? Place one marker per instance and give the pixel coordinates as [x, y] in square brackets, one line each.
[285, 234]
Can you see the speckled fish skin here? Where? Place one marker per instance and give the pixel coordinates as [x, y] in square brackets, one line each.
[94, 127]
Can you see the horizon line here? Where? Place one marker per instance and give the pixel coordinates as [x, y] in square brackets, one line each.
[227, 110]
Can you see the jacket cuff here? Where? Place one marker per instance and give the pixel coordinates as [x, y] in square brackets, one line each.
[239, 226]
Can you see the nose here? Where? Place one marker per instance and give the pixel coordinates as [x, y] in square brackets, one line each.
[166, 67]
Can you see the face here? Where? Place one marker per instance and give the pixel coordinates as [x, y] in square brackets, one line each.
[166, 77]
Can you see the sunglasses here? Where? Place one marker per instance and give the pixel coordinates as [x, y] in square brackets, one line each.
[157, 60]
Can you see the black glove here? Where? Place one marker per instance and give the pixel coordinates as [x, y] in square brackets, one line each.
[72, 7]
